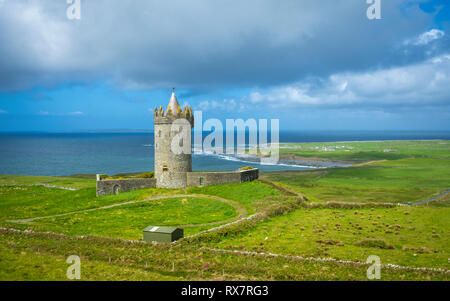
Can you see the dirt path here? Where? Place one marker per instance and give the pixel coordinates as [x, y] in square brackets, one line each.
[242, 212]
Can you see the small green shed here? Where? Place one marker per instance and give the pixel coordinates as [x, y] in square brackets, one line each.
[162, 234]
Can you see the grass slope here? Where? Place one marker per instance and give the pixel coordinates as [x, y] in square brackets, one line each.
[128, 221]
[386, 181]
[41, 256]
[244, 193]
[21, 202]
[336, 232]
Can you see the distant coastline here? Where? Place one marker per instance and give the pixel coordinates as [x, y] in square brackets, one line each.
[120, 151]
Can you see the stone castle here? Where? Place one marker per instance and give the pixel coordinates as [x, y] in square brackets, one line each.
[170, 168]
[173, 170]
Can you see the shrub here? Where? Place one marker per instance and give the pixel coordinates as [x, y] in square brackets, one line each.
[330, 242]
[421, 250]
[146, 175]
[246, 168]
[374, 243]
[103, 177]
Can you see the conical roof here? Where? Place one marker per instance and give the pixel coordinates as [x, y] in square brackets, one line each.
[174, 106]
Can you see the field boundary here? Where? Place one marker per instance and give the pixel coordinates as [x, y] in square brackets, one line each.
[330, 259]
[5, 231]
[347, 205]
[284, 190]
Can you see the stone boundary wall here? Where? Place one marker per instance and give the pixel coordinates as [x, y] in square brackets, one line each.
[249, 175]
[107, 187]
[207, 178]
[194, 179]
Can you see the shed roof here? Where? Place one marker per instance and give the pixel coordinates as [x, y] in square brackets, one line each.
[160, 229]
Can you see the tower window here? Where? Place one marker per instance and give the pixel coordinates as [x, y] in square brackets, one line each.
[159, 133]
[165, 168]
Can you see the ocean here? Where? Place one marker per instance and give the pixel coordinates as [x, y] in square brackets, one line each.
[63, 154]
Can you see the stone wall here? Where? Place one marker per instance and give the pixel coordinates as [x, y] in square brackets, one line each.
[106, 187]
[193, 179]
[206, 178]
[249, 175]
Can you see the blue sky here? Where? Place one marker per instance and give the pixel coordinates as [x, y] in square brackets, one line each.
[311, 64]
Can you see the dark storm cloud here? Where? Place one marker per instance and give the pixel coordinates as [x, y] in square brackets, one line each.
[200, 44]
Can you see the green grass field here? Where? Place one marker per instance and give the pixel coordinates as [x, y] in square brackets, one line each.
[397, 181]
[368, 151]
[403, 235]
[336, 233]
[128, 221]
[245, 193]
[42, 257]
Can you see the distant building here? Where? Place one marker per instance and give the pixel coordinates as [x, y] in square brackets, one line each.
[387, 150]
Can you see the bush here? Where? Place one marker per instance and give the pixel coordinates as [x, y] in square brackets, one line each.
[246, 168]
[374, 243]
[123, 176]
[146, 175]
[330, 242]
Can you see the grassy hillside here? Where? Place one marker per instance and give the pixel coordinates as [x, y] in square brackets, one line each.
[128, 221]
[410, 236]
[42, 257]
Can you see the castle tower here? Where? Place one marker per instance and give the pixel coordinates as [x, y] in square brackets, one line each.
[171, 168]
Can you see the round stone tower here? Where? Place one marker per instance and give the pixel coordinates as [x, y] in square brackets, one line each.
[171, 167]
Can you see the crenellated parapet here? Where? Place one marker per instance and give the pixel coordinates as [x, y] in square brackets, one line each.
[169, 116]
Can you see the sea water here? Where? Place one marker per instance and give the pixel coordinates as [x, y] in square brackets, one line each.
[59, 154]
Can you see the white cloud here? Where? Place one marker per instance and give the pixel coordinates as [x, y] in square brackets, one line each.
[45, 113]
[426, 37]
[426, 83]
[227, 105]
